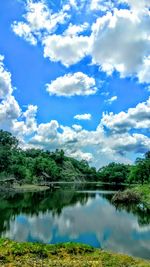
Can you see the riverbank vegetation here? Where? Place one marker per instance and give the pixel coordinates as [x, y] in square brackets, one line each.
[137, 194]
[27, 254]
[32, 166]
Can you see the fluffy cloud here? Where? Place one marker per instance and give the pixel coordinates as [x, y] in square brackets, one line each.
[85, 116]
[9, 110]
[72, 84]
[110, 141]
[126, 29]
[23, 30]
[102, 5]
[129, 34]
[66, 49]
[5, 80]
[137, 118]
[137, 6]
[138, 143]
[77, 127]
[144, 73]
[27, 124]
[73, 30]
[11, 116]
[39, 20]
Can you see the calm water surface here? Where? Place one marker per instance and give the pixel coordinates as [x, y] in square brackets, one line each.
[82, 215]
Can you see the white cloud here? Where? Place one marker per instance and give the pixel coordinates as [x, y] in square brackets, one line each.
[110, 141]
[103, 5]
[76, 29]
[134, 118]
[82, 155]
[77, 127]
[144, 73]
[72, 84]
[23, 30]
[137, 143]
[85, 116]
[73, 3]
[9, 110]
[11, 116]
[39, 20]
[66, 49]
[137, 6]
[125, 29]
[111, 100]
[129, 33]
[48, 130]
[5, 80]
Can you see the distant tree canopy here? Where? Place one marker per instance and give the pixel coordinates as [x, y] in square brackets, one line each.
[32, 165]
[114, 173]
[140, 172]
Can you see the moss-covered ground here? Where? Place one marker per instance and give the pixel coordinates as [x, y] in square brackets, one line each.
[13, 254]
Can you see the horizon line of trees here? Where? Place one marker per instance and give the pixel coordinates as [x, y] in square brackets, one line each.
[30, 165]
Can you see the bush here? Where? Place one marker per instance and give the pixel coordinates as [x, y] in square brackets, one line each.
[127, 196]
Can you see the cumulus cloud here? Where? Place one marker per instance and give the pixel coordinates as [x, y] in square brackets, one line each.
[134, 118]
[72, 84]
[144, 73]
[137, 6]
[76, 29]
[12, 118]
[110, 141]
[129, 34]
[66, 49]
[138, 143]
[38, 21]
[126, 29]
[77, 127]
[85, 116]
[102, 5]
[5, 80]
[9, 110]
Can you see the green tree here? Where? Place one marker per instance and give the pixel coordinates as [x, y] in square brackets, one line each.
[114, 173]
[8, 144]
[140, 172]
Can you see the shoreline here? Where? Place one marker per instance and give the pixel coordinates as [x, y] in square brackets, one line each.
[142, 192]
[68, 254]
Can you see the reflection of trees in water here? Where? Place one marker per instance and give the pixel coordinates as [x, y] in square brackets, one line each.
[13, 204]
[142, 213]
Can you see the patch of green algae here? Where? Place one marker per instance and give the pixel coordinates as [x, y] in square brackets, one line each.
[13, 254]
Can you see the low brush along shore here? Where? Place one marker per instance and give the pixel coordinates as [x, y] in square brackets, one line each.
[14, 254]
[137, 194]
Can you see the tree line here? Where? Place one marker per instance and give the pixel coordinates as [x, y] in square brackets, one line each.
[32, 165]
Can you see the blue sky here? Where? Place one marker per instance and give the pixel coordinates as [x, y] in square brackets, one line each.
[75, 74]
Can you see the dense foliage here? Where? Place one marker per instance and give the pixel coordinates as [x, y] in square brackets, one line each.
[34, 165]
[121, 173]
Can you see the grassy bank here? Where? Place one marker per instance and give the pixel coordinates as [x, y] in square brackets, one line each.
[136, 194]
[144, 192]
[27, 254]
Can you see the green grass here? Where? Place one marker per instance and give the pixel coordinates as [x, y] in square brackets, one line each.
[144, 192]
[13, 254]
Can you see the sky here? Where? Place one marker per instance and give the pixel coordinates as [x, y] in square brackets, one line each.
[75, 75]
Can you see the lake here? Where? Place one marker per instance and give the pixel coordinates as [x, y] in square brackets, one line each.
[81, 214]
